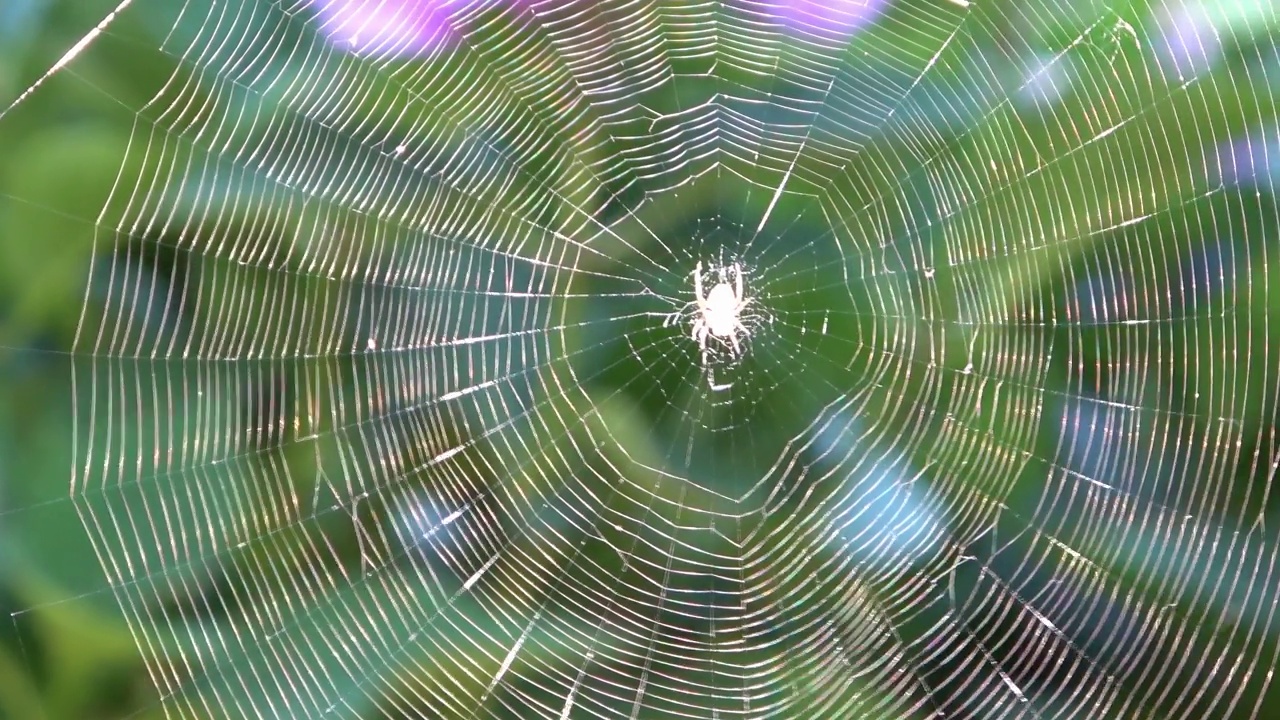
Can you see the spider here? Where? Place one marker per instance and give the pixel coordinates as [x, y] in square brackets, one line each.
[719, 312]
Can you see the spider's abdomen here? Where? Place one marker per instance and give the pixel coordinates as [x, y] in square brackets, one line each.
[721, 311]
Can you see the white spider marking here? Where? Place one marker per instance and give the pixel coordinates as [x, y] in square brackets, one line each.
[719, 313]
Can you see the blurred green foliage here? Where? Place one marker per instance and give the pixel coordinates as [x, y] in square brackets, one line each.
[65, 650]
[59, 153]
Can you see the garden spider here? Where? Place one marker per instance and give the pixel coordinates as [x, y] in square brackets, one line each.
[719, 312]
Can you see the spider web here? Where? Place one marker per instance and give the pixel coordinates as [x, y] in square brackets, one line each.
[389, 405]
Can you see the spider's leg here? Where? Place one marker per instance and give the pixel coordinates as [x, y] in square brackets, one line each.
[697, 285]
[737, 282]
[733, 338]
[674, 316]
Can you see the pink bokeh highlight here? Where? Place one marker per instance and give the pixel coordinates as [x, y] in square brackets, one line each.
[395, 28]
[417, 28]
[826, 18]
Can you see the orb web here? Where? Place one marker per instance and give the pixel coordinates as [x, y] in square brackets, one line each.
[386, 415]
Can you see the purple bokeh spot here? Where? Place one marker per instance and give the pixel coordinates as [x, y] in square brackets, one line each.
[1048, 80]
[1250, 161]
[1190, 45]
[840, 18]
[390, 28]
